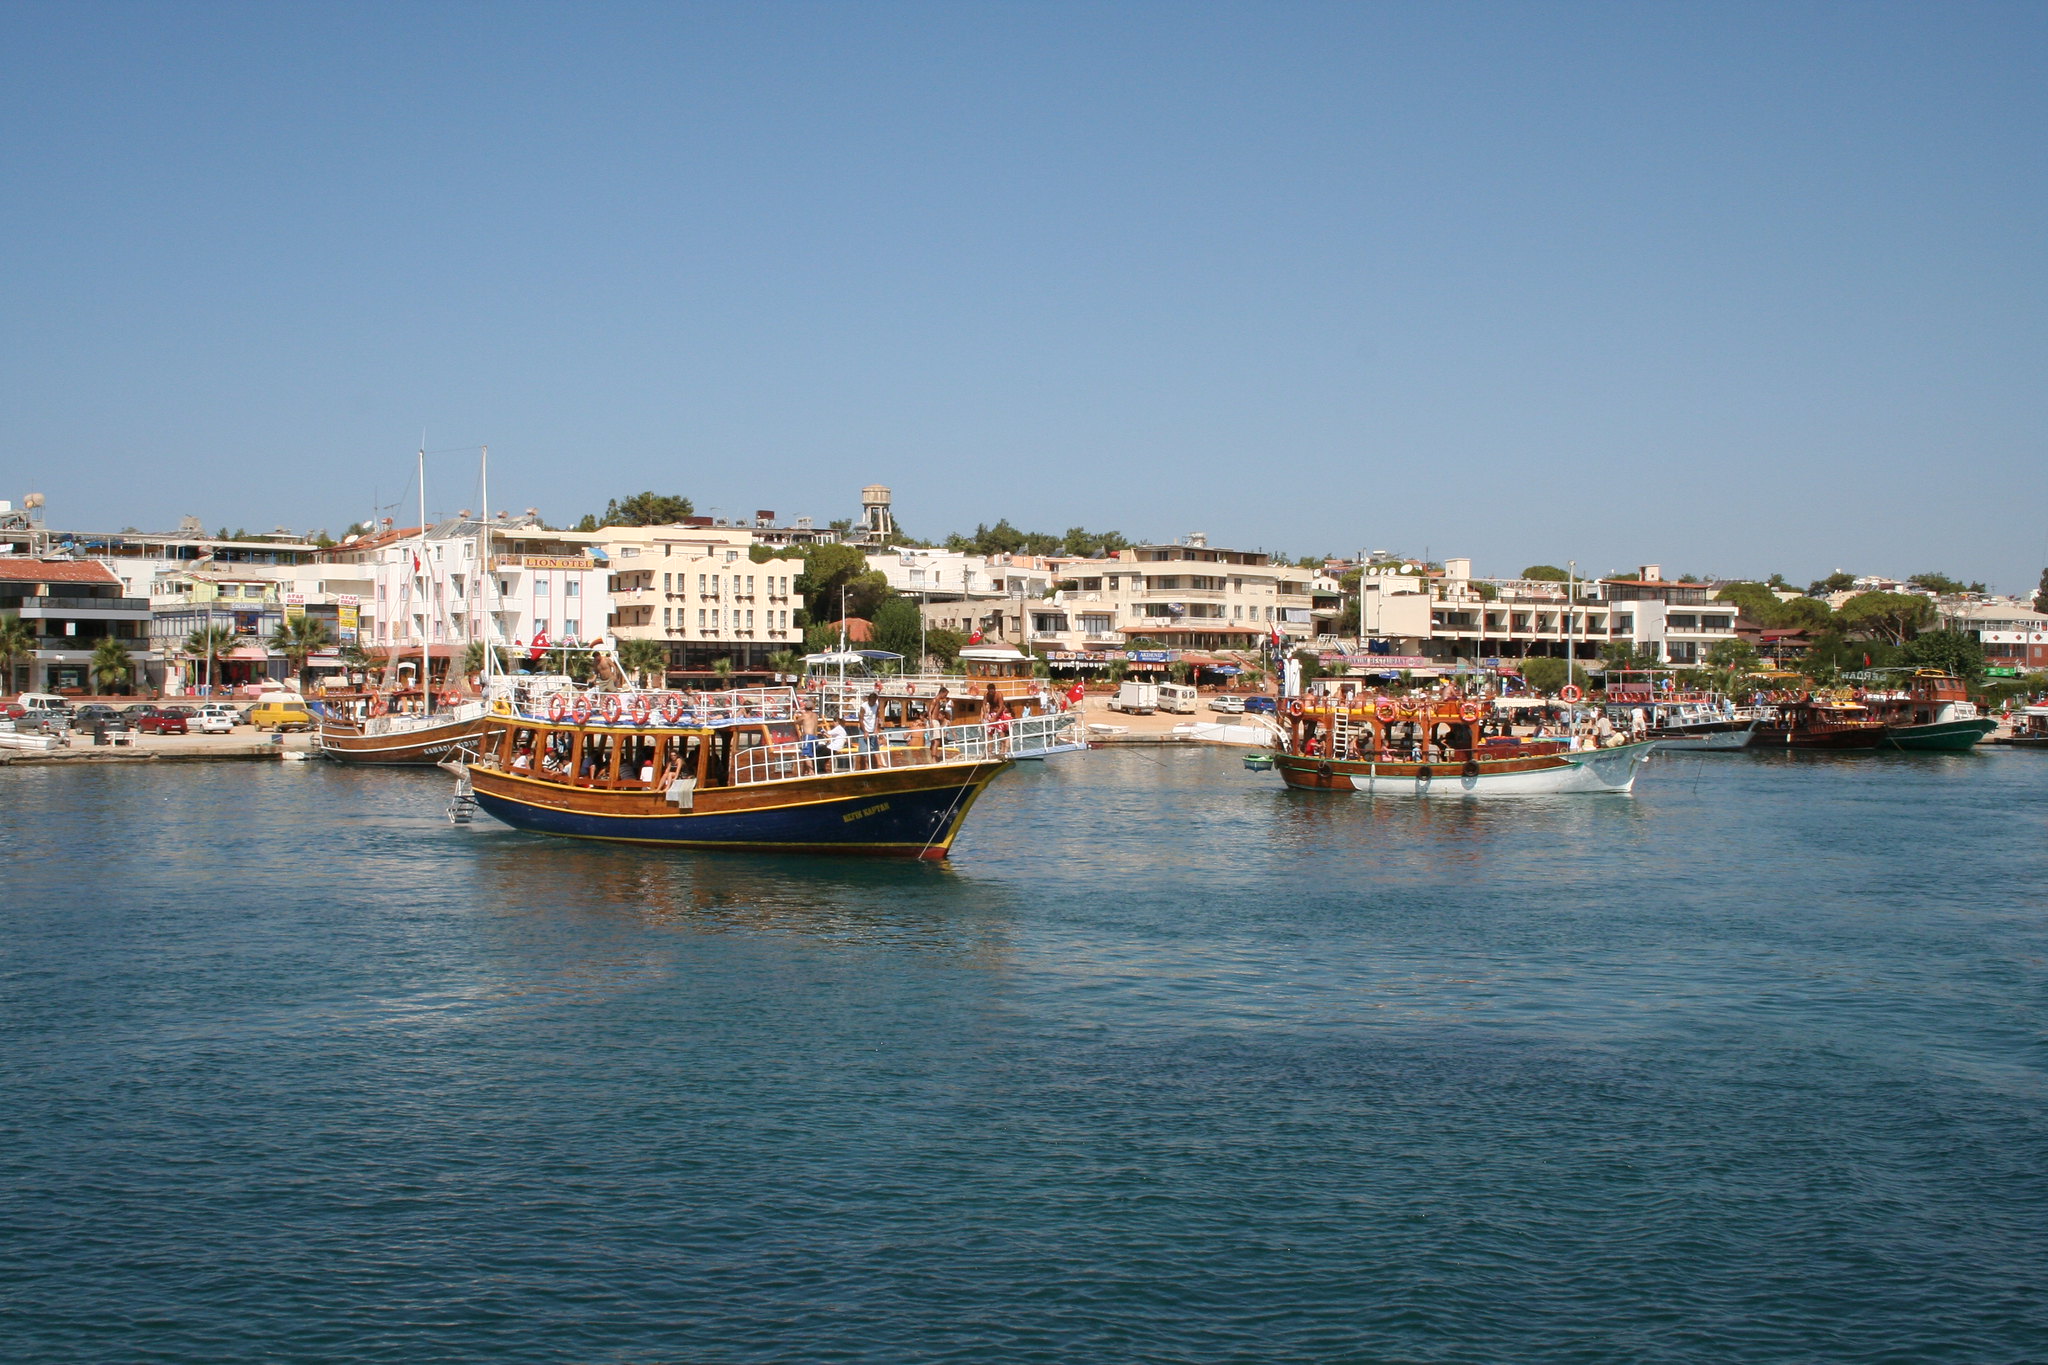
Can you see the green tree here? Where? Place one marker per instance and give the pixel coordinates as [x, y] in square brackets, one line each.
[208, 644]
[1834, 582]
[944, 645]
[1953, 651]
[1941, 585]
[1311, 665]
[898, 627]
[17, 644]
[589, 523]
[1732, 656]
[645, 509]
[1893, 616]
[296, 637]
[1545, 573]
[640, 658]
[1087, 544]
[111, 664]
[786, 662]
[1547, 675]
[721, 668]
[830, 568]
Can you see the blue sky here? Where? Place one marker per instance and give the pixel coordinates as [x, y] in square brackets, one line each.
[1732, 288]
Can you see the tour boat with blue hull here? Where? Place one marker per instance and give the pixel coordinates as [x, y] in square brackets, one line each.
[1434, 748]
[731, 771]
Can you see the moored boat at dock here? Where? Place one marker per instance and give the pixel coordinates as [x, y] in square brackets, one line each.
[1928, 710]
[361, 728]
[1677, 719]
[2029, 729]
[1807, 722]
[1433, 747]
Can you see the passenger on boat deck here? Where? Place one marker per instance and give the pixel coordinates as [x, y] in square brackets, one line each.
[1603, 732]
[522, 760]
[870, 721]
[990, 703]
[942, 707]
[835, 738]
[806, 730]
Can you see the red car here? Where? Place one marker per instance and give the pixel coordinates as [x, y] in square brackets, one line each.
[162, 720]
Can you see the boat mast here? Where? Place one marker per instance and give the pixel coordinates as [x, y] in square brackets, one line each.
[426, 599]
[483, 563]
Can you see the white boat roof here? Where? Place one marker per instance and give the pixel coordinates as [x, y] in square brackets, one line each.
[992, 652]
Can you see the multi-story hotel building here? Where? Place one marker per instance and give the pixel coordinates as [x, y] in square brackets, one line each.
[1184, 595]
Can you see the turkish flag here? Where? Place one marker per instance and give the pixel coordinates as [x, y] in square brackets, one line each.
[540, 647]
[975, 638]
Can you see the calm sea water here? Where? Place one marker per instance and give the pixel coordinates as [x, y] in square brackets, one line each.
[1168, 1065]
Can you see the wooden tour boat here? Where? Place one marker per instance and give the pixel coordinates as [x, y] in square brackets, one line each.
[359, 727]
[2029, 729]
[1928, 710]
[1806, 722]
[1427, 747]
[728, 771]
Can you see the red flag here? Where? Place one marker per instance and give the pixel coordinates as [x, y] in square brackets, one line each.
[975, 638]
[540, 647]
[415, 561]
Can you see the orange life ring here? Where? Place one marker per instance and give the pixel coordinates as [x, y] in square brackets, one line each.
[1569, 692]
[581, 715]
[672, 711]
[609, 708]
[1469, 712]
[558, 710]
[1386, 711]
[643, 708]
[1294, 707]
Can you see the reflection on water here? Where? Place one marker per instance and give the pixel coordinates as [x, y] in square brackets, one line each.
[1168, 1063]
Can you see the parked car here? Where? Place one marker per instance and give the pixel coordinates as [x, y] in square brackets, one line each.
[1228, 704]
[162, 720]
[93, 713]
[281, 715]
[222, 710]
[1262, 705]
[213, 722]
[1178, 698]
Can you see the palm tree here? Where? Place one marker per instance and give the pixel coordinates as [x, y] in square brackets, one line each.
[210, 643]
[785, 663]
[298, 636]
[111, 665]
[356, 659]
[17, 642]
[723, 668]
[641, 657]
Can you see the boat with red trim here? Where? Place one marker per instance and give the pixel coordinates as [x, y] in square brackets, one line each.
[1809, 722]
[733, 770]
[1433, 747]
[1925, 710]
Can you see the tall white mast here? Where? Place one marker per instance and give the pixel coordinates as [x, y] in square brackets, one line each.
[426, 577]
[483, 567]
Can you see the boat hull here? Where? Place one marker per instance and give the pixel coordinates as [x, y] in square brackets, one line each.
[1588, 771]
[895, 813]
[421, 748]
[1940, 737]
[1831, 740]
[1707, 739]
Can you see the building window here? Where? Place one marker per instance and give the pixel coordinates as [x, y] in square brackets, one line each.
[668, 582]
[700, 618]
[573, 588]
[665, 614]
[750, 585]
[540, 585]
[573, 628]
[750, 618]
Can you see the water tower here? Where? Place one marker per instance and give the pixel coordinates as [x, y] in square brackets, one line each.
[876, 523]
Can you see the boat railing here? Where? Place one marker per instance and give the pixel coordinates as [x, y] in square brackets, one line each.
[915, 746]
[844, 696]
[406, 724]
[662, 708]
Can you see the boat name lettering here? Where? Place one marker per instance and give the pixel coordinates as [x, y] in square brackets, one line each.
[864, 812]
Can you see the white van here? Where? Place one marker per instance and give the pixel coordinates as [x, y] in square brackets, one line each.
[42, 701]
[1177, 698]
